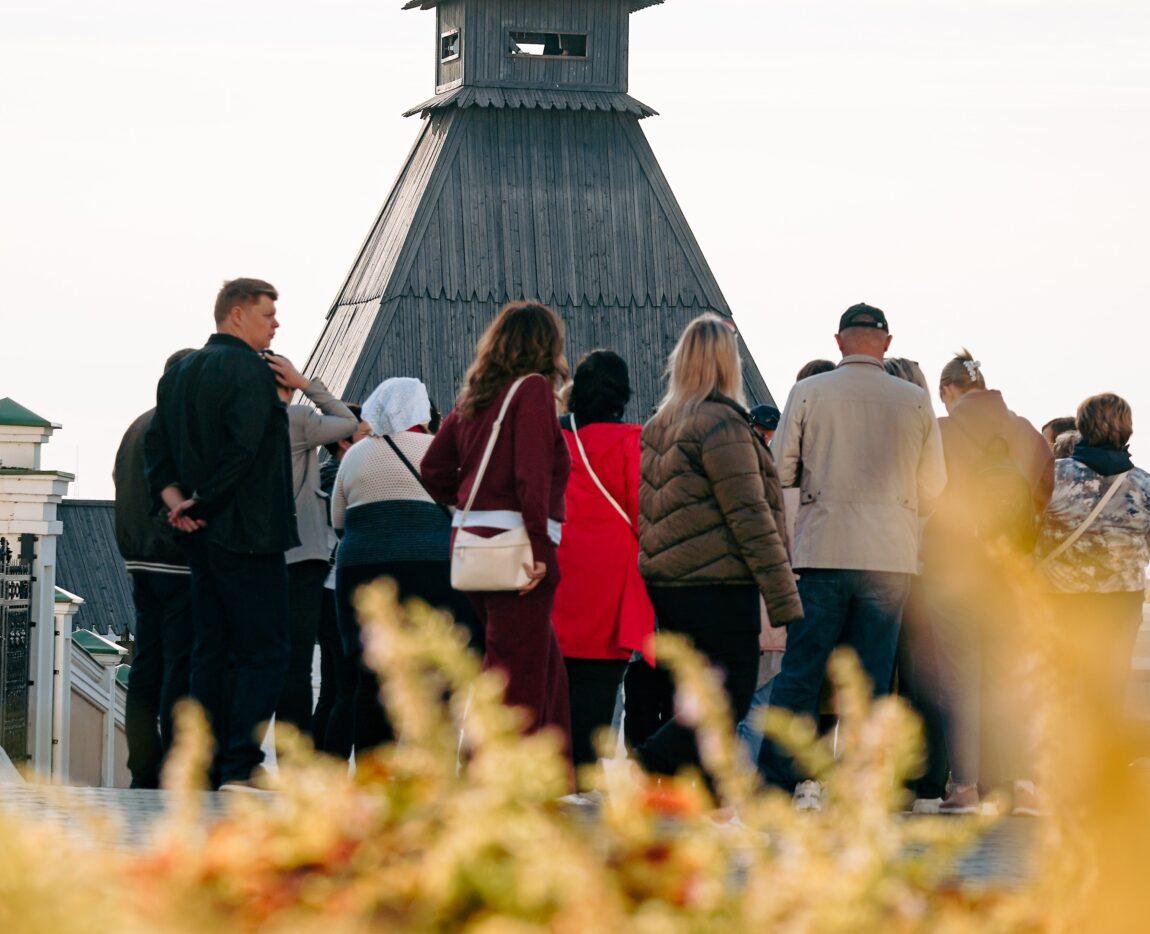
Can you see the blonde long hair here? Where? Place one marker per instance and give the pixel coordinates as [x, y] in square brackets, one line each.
[706, 360]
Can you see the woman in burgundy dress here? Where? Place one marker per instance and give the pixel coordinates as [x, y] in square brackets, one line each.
[602, 612]
[523, 486]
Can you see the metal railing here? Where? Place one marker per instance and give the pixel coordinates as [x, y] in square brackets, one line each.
[15, 643]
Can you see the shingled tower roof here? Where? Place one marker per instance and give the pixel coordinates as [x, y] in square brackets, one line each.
[530, 178]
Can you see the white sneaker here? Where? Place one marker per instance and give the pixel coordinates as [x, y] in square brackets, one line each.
[926, 805]
[1027, 802]
[583, 799]
[808, 796]
[622, 778]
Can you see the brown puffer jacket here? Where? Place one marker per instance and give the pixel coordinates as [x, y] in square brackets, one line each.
[711, 509]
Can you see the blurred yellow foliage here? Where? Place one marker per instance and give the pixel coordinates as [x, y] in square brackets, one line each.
[459, 824]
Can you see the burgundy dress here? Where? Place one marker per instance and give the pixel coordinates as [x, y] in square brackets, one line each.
[527, 474]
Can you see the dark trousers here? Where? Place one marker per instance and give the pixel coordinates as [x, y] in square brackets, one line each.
[1106, 625]
[859, 609]
[333, 718]
[521, 642]
[240, 656]
[305, 602]
[430, 581]
[159, 674]
[723, 624]
[916, 676]
[648, 701]
[593, 687]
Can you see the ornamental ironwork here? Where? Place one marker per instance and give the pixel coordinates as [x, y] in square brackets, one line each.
[15, 639]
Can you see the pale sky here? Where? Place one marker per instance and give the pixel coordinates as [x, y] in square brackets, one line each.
[977, 168]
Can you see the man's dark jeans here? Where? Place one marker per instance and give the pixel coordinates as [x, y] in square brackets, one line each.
[240, 658]
[859, 609]
[305, 606]
[159, 675]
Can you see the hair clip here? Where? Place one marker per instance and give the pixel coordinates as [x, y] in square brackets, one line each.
[972, 369]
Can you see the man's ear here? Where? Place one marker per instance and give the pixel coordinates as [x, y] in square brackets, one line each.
[839, 341]
[886, 343]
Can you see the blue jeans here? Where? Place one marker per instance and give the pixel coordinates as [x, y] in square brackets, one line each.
[749, 735]
[240, 656]
[859, 609]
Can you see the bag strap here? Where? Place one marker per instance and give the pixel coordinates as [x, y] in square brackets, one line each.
[490, 447]
[415, 473]
[599, 483]
[1088, 521]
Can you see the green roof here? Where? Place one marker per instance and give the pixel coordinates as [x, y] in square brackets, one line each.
[122, 674]
[66, 596]
[95, 644]
[13, 413]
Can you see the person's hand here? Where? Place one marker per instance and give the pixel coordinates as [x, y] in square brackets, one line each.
[178, 518]
[535, 575]
[285, 372]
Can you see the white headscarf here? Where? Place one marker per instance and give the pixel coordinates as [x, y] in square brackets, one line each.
[397, 404]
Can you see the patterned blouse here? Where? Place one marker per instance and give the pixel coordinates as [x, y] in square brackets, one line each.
[1112, 554]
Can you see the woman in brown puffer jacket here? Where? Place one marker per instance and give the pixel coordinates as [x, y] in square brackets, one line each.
[711, 530]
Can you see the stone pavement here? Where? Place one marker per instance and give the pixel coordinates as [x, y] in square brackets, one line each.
[1002, 857]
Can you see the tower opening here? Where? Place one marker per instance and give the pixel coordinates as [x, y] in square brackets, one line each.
[549, 44]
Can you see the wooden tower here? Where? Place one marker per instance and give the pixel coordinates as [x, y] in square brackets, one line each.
[531, 178]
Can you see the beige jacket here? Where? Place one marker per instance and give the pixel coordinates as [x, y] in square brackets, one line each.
[864, 449]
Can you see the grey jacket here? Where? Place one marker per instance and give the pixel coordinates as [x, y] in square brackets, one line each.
[309, 430]
[864, 449]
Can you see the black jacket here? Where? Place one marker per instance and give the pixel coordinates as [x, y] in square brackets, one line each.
[143, 535]
[221, 433]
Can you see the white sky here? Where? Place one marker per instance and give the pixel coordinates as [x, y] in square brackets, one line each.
[977, 168]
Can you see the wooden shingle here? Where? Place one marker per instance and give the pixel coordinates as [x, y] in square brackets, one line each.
[550, 193]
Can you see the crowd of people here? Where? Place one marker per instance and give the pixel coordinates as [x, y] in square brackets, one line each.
[853, 517]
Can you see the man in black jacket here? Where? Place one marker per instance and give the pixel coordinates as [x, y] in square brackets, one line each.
[162, 593]
[219, 457]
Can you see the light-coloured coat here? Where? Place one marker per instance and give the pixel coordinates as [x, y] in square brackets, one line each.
[309, 429]
[864, 449]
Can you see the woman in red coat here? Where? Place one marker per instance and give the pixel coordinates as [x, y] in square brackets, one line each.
[602, 613]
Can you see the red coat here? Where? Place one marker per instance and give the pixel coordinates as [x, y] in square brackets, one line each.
[601, 607]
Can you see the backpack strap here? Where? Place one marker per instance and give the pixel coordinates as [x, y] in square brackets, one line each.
[1088, 521]
[984, 449]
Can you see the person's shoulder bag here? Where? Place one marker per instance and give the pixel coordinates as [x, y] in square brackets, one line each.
[499, 562]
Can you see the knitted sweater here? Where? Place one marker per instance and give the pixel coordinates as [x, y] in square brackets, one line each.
[381, 510]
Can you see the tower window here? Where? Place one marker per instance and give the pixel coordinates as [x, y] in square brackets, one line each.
[549, 44]
[449, 46]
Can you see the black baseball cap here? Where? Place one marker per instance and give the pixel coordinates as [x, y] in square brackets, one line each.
[765, 417]
[863, 315]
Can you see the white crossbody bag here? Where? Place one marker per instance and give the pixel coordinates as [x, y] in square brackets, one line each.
[501, 561]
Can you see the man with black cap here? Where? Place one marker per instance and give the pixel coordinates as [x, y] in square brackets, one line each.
[764, 419]
[863, 447]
